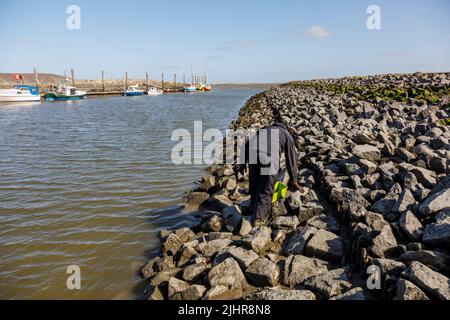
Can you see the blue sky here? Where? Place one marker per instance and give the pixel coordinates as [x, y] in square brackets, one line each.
[232, 41]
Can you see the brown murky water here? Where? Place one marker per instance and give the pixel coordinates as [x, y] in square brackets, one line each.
[90, 183]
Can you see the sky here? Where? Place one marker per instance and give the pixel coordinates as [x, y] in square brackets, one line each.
[231, 41]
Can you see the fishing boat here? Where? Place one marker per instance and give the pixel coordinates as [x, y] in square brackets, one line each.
[191, 88]
[134, 91]
[153, 91]
[20, 93]
[65, 92]
[207, 87]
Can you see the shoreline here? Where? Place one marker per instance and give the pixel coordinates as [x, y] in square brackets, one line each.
[374, 160]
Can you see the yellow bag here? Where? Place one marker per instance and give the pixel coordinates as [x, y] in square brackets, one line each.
[279, 192]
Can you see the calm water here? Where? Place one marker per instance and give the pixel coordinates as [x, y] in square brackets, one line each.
[90, 183]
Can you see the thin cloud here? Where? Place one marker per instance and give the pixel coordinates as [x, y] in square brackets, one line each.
[318, 32]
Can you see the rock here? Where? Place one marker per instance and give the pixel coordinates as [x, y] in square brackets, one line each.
[213, 224]
[324, 286]
[222, 293]
[219, 235]
[437, 235]
[367, 152]
[191, 272]
[232, 216]
[228, 274]
[286, 222]
[277, 294]
[175, 286]
[309, 210]
[353, 294]
[172, 244]
[185, 234]
[299, 268]
[411, 226]
[439, 261]
[218, 203]
[210, 248]
[209, 182]
[156, 265]
[184, 255]
[384, 244]
[244, 257]
[246, 227]
[325, 245]
[296, 243]
[259, 239]
[389, 267]
[164, 276]
[435, 202]
[154, 294]
[406, 290]
[262, 272]
[424, 176]
[431, 282]
[405, 202]
[192, 293]
[196, 199]
[324, 222]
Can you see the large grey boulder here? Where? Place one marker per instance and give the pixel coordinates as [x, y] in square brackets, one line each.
[325, 245]
[172, 244]
[232, 216]
[295, 244]
[436, 260]
[244, 257]
[175, 285]
[431, 282]
[324, 286]
[262, 272]
[288, 223]
[210, 248]
[367, 152]
[384, 244]
[411, 226]
[193, 271]
[436, 202]
[259, 239]
[299, 268]
[437, 235]
[353, 294]
[228, 274]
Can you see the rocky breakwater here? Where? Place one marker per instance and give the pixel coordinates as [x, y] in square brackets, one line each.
[376, 193]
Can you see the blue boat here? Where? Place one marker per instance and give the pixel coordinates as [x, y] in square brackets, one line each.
[134, 91]
[190, 89]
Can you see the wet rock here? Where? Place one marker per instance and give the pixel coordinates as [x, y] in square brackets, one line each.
[262, 272]
[299, 268]
[436, 202]
[406, 290]
[228, 274]
[325, 245]
[431, 282]
[296, 243]
[244, 257]
[196, 199]
[411, 226]
[259, 239]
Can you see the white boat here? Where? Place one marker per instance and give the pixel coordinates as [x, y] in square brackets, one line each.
[66, 92]
[20, 93]
[153, 91]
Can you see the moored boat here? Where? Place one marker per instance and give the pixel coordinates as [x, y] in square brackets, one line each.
[153, 91]
[20, 93]
[133, 91]
[190, 89]
[65, 92]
